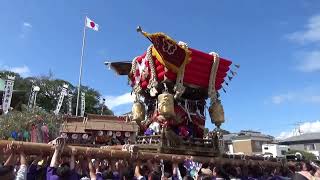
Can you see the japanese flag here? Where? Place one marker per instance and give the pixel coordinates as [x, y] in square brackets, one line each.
[92, 25]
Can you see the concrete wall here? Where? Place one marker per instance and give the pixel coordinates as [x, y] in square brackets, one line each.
[244, 146]
[297, 147]
[301, 146]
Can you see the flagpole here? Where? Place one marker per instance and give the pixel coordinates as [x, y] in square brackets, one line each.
[81, 64]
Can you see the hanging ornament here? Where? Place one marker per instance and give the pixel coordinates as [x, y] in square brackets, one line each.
[138, 111]
[216, 113]
[230, 78]
[227, 83]
[166, 105]
[224, 90]
[233, 73]
[237, 66]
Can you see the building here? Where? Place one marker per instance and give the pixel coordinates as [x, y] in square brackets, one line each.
[99, 130]
[309, 142]
[246, 142]
[275, 150]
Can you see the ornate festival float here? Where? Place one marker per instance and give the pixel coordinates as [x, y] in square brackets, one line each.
[98, 130]
[172, 83]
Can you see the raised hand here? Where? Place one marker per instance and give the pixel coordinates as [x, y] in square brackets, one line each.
[60, 142]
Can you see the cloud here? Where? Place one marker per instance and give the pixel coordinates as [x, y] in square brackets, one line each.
[115, 101]
[306, 127]
[311, 33]
[24, 70]
[25, 29]
[26, 24]
[307, 95]
[278, 99]
[310, 62]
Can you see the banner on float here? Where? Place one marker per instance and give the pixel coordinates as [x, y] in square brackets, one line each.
[83, 103]
[7, 95]
[61, 97]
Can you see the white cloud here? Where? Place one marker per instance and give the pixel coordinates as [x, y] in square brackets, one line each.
[115, 101]
[27, 24]
[310, 62]
[311, 32]
[307, 95]
[21, 70]
[306, 127]
[25, 29]
[278, 99]
[24, 70]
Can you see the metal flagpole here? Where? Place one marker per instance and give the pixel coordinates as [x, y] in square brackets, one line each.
[81, 63]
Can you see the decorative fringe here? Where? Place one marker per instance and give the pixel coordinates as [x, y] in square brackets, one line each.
[233, 73]
[224, 90]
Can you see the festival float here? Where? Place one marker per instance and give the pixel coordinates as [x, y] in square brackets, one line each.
[98, 130]
[172, 83]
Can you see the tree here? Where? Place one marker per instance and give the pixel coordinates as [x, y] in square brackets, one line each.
[307, 155]
[21, 121]
[21, 87]
[49, 93]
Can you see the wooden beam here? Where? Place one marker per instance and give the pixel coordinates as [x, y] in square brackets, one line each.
[117, 152]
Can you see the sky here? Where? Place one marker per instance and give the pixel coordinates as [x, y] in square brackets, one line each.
[277, 44]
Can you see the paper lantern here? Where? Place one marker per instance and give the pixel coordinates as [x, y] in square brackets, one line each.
[109, 133]
[74, 136]
[118, 133]
[100, 133]
[85, 136]
[127, 134]
[64, 135]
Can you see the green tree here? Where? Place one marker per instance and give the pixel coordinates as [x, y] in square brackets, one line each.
[21, 87]
[93, 102]
[21, 121]
[49, 93]
[305, 154]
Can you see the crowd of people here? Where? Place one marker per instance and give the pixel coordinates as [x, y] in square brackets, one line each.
[17, 165]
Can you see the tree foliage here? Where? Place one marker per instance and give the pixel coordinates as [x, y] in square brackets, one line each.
[306, 155]
[21, 121]
[48, 95]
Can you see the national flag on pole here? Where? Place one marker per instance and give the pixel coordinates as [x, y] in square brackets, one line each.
[91, 24]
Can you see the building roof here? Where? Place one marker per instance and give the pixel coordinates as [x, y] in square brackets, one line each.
[302, 137]
[121, 68]
[112, 126]
[98, 123]
[252, 135]
[228, 137]
[73, 127]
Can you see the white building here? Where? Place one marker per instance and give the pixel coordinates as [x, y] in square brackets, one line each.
[275, 150]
